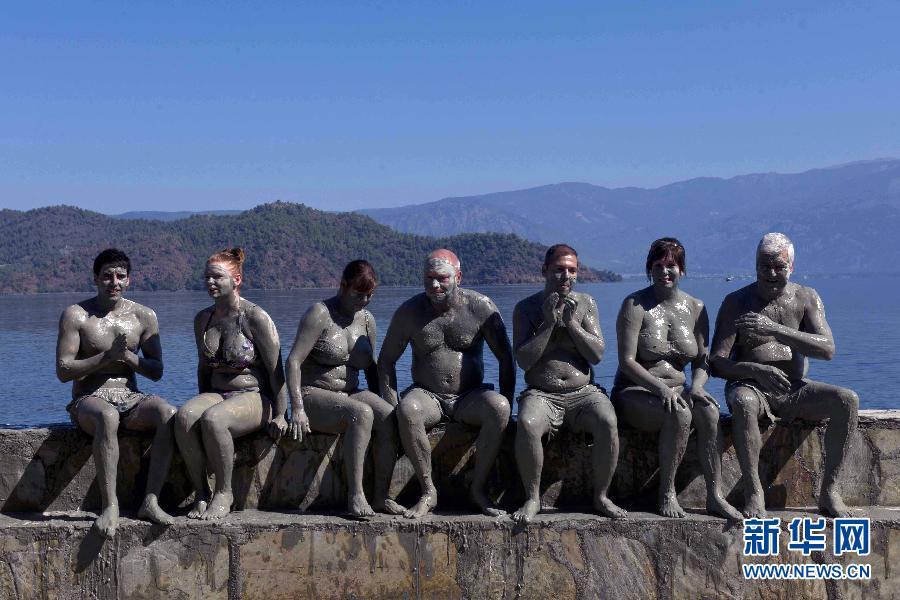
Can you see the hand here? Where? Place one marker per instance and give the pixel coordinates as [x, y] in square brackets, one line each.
[672, 400]
[277, 427]
[299, 426]
[118, 352]
[772, 379]
[752, 323]
[698, 394]
[569, 311]
[551, 312]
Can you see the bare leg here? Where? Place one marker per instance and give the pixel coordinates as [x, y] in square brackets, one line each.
[490, 411]
[533, 422]
[100, 420]
[645, 411]
[384, 446]
[416, 413]
[190, 445]
[600, 421]
[238, 415]
[337, 412]
[706, 421]
[745, 410]
[154, 413]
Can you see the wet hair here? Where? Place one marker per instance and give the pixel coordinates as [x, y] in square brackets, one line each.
[776, 243]
[360, 276]
[557, 250]
[114, 257]
[233, 258]
[663, 248]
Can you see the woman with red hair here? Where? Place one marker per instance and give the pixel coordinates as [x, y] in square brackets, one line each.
[241, 383]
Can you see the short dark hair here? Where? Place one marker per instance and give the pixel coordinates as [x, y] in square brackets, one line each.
[558, 250]
[666, 247]
[112, 256]
[359, 275]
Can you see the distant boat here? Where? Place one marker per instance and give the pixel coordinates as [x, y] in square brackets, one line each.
[729, 278]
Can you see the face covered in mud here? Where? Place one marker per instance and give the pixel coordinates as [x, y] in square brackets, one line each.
[560, 274]
[773, 271]
[441, 281]
[111, 281]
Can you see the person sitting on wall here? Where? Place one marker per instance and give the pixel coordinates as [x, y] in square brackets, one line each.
[764, 333]
[661, 330]
[335, 340]
[240, 380]
[103, 342]
[557, 339]
[447, 327]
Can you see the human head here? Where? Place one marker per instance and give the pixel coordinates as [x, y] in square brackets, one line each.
[112, 256]
[233, 260]
[442, 275]
[774, 264]
[666, 248]
[358, 283]
[560, 269]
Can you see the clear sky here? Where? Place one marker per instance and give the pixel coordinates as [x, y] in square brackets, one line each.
[197, 106]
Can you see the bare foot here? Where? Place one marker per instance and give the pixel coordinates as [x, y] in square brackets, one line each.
[107, 522]
[198, 509]
[755, 507]
[151, 511]
[424, 506]
[669, 507]
[485, 504]
[389, 507]
[605, 507]
[358, 506]
[832, 505]
[219, 507]
[524, 515]
[717, 505]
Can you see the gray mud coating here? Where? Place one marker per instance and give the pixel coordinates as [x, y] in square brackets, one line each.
[557, 339]
[103, 342]
[447, 327]
[764, 333]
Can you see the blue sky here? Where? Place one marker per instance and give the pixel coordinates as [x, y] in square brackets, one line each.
[201, 106]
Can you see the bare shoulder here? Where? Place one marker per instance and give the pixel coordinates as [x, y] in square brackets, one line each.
[807, 295]
[583, 298]
[479, 304]
[529, 304]
[74, 313]
[318, 311]
[696, 304]
[203, 316]
[144, 313]
[412, 306]
[636, 300]
[738, 298]
[255, 314]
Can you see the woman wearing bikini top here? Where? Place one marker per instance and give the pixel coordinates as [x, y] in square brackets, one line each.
[241, 383]
[335, 340]
[660, 330]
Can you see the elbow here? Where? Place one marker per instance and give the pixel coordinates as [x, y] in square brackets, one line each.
[828, 352]
[62, 372]
[714, 367]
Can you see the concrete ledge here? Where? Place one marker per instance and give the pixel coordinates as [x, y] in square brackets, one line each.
[52, 469]
[265, 555]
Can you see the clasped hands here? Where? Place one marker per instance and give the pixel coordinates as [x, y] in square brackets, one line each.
[559, 311]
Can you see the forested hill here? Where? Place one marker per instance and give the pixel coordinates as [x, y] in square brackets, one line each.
[287, 246]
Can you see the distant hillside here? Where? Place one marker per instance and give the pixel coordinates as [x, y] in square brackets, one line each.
[288, 246]
[160, 215]
[842, 219]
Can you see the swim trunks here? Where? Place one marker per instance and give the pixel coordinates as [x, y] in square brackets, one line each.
[447, 402]
[563, 408]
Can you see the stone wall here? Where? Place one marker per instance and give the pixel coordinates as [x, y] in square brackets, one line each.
[52, 470]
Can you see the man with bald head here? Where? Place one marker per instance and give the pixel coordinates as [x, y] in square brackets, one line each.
[447, 327]
[764, 332]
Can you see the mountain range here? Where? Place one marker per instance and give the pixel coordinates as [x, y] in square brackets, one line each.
[287, 246]
[842, 219]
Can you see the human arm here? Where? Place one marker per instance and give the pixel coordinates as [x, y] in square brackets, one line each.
[814, 339]
[700, 364]
[311, 327]
[204, 372]
[628, 328]
[68, 367]
[391, 350]
[265, 339]
[530, 342]
[770, 378]
[494, 332]
[371, 372]
[150, 364]
[582, 321]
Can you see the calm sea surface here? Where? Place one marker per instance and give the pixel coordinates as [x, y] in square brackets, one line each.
[862, 311]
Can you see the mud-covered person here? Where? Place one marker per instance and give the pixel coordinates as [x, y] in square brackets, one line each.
[335, 341]
[764, 333]
[103, 343]
[557, 339]
[447, 327]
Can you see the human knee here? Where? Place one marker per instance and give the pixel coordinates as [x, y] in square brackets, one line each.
[213, 421]
[744, 406]
[362, 416]
[681, 417]
[107, 421]
[603, 420]
[410, 412]
[164, 410]
[706, 416]
[496, 409]
[186, 416]
[530, 426]
[847, 401]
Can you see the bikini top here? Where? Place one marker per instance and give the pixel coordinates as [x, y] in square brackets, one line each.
[234, 350]
[332, 348]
